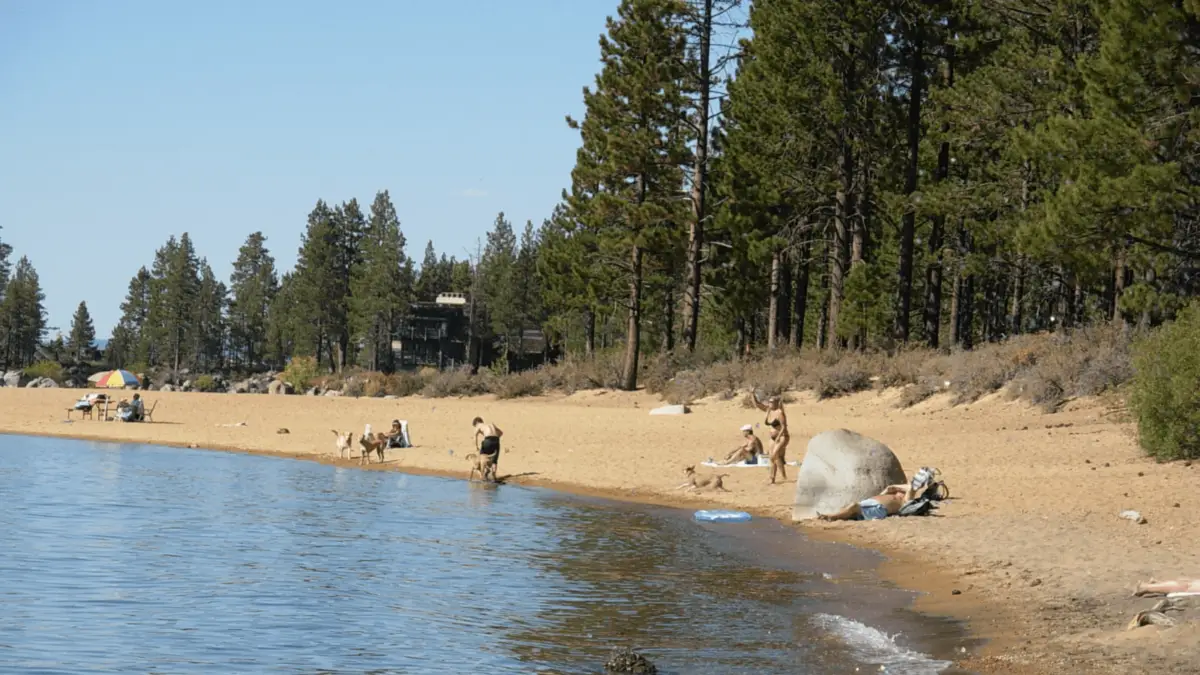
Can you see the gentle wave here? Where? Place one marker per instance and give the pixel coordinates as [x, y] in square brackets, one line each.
[872, 646]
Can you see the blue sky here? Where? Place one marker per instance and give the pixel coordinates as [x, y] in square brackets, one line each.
[128, 121]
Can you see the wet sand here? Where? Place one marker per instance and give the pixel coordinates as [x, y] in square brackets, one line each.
[1031, 540]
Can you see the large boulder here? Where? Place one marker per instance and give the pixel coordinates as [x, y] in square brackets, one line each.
[842, 467]
[280, 388]
[41, 383]
[15, 378]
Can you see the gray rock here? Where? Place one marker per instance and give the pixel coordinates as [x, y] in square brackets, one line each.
[15, 378]
[333, 392]
[187, 385]
[242, 387]
[41, 383]
[280, 388]
[626, 660]
[313, 391]
[167, 388]
[842, 467]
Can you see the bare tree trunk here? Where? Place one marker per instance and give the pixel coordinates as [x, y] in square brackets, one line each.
[589, 333]
[1119, 262]
[669, 319]
[837, 257]
[773, 309]
[800, 295]
[699, 184]
[740, 346]
[633, 330]
[908, 226]
[1017, 316]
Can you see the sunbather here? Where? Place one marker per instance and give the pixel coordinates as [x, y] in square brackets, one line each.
[133, 411]
[748, 451]
[395, 438]
[887, 503]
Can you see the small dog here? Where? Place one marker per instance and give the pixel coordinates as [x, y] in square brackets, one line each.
[696, 483]
[485, 465]
[372, 443]
[343, 443]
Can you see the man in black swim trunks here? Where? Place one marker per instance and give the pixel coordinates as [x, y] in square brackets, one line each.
[490, 433]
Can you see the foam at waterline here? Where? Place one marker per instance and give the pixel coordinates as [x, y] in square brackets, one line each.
[872, 646]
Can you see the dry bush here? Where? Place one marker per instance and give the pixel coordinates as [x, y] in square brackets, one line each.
[977, 373]
[846, 377]
[406, 384]
[602, 371]
[915, 393]
[1082, 362]
[905, 367]
[457, 382]
[685, 388]
[518, 385]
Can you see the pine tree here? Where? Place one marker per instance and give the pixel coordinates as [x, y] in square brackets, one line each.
[283, 335]
[83, 335]
[22, 316]
[349, 226]
[627, 178]
[128, 344]
[208, 321]
[433, 278]
[253, 285]
[317, 292]
[381, 287]
[5, 266]
[528, 293]
[498, 289]
[174, 285]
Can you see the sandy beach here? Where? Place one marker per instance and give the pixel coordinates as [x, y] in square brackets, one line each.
[1030, 549]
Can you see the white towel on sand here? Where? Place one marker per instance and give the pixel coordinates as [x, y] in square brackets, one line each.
[763, 461]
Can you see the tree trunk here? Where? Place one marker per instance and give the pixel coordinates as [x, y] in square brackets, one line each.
[908, 225]
[1016, 315]
[699, 184]
[589, 334]
[669, 319]
[837, 257]
[800, 295]
[962, 317]
[740, 346]
[633, 331]
[784, 319]
[1119, 258]
[773, 309]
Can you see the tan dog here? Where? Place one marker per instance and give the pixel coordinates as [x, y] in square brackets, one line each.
[343, 443]
[485, 465]
[695, 482]
[372, 443]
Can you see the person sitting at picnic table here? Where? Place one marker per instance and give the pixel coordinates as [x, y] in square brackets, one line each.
[131, 411]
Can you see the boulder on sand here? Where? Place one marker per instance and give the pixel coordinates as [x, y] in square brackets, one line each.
[15, 378]
[842, 467]
[280, 388]
[671, 410]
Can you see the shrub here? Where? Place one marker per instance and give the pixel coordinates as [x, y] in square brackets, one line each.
[846, 377]
[1165, 398]
[1082, 362]
[302, 372]
[518, 385]
[404, 384]
[915, 393]
[205, 383]
[50, 369]
[903, 368]
[458, 382]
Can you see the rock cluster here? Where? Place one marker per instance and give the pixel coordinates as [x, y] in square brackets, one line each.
[626, 660]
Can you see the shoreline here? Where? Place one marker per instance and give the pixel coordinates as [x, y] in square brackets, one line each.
[897, 567]
[1046, 595]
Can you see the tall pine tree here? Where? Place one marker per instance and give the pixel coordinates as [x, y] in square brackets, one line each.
[22, 316]
[253, 285]
[381, 287]
[80, 343]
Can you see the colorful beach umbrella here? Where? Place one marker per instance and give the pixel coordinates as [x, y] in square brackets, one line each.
[117, 379]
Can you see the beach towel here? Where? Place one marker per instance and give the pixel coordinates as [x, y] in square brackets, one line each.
[763, 461]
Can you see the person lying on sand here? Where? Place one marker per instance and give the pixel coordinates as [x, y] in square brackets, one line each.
[748, 451]
[490, 444]
[777, 420]
[880, 506]
[1152, 587]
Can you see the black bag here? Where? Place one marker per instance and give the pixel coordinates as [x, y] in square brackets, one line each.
[917, 507]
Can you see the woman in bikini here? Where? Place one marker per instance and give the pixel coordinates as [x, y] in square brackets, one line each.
[777, 420]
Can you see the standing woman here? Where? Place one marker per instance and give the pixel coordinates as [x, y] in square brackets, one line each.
[777, 420]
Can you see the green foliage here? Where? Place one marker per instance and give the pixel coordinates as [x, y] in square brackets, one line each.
[302, 372]
[205, 383]
[381, 285]
[252, 285]
[83, 334]
[1165, 398]
[22, 316]
[50, 369]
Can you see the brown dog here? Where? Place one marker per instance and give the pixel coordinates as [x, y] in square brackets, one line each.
[485, 465]
[695, 482]
[372, 443]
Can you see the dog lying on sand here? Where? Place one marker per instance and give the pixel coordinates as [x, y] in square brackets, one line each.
[485, 465]
[695, 482]
[372, 443]
[343, 443]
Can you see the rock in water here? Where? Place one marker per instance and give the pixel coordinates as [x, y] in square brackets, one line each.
[626, 660]
[842, 467]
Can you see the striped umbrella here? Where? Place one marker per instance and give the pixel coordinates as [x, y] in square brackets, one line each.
[117, 379]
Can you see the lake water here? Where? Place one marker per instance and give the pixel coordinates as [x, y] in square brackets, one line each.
[135, 558]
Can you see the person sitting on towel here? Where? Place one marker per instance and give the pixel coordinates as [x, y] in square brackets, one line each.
[491, 439]
[395, 438]
[748, 451]
[887, 503]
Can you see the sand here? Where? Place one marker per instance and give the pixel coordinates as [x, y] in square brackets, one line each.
[1029, 551]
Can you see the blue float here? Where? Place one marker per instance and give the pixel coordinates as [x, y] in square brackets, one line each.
[722, 516]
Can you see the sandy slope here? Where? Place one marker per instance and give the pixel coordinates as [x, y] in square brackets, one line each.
[1031, 540]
